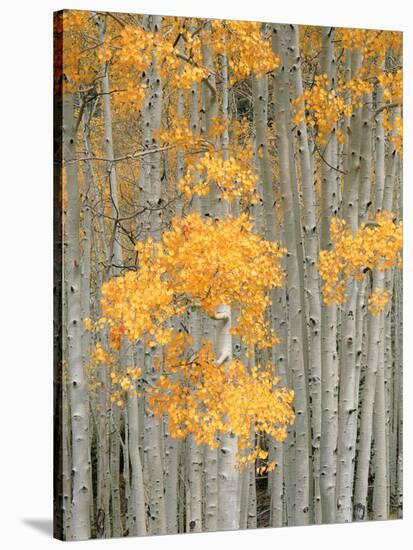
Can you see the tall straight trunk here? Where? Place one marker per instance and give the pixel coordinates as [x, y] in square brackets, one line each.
[280, 481]
[228, 475]
[243, 491]
[366, 156]
[311, 247]
[352, 178]
[380, 508]
[210, 456]
[66, 465]
[329, 354]
[136, 506]
[103, 478]
[220, 474]
[85, 289]
[347, 432]
[153, 438]
[195, 452]
[195, 486]
[114, 268]
[296, 352]
[115, 248]
[154, 457]
[379, 151]
[400, 425]
[78, 396]
[115, 471]
[260, 105]
[194, 458]
[398, 428]
[103, 474]
[392, 159]
[172, 449]
[211, 489]
[383, 200]
[180, 157]
[394, 407]
[366, 419]
[86, 245]
[252, 499]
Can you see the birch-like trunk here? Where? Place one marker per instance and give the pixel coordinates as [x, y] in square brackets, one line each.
[311, 248]
[347, 432]
[296, 352]
[136, 506]
[227, 473]
[153, 447]
[329, 355]
[380, 508]
[366, 419]
[78, 396]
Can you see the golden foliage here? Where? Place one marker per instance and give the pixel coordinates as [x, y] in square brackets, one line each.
[244, 45]
[371, 43]
[198, 263]
[322, 107]
[205, 399]
[233, 177]
[376, 245]
[377, 300]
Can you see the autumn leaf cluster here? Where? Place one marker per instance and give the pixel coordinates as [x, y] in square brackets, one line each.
[198, 263]
[376, 245]
[206, 399]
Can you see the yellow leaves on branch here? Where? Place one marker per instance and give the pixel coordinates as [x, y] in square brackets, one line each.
[179, 135]
[397, 136]
[230, 172]
[376, 245]
[392, 84]
[234, 177]
[124, 384]
[377, 300]
[223, 262]
[101, 356]
[371, 43]
[139, 302]
[247, 50]
[80, 58]
[198, 263]
[205, 399]
[132, 50]
[323, 107]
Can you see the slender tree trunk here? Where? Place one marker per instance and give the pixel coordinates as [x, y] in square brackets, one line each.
[329, 356]
[380, 510]
[172, 449]
[311, 247]
[136, 506]
[347, 432]
[227, 473]
[366, 419]
[79, 403]
[296, 357]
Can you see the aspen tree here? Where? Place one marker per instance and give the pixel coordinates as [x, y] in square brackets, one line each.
[296, 358]
[81, 490]
[206, 147]
[311, 247]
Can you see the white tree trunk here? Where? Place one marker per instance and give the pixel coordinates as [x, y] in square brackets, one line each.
[296, 352]
[79, 404]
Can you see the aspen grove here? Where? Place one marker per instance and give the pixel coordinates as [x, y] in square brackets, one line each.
[228, 314]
